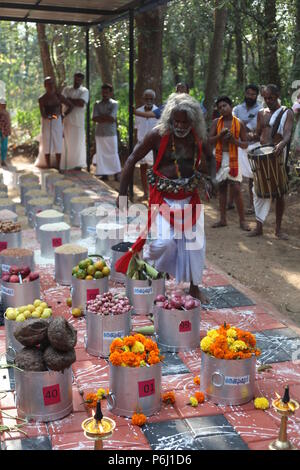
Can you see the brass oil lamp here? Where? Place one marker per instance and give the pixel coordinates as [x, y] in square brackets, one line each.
[285, 407]
[98, 427]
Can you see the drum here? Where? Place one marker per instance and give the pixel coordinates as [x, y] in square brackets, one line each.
[269, 174]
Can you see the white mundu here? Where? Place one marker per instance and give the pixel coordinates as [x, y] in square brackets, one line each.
[74, 148]
[262, 206]
[143, 126]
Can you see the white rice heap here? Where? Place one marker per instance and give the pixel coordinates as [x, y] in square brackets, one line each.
[56, 227]
[49, 213]
[70, 249]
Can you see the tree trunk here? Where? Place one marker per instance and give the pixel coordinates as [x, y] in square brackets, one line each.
[215, 58]
[271, 68]
[238, 46]
[103, 56]
[296, 64]
[227, 61]
[45, 53]
[190, 60]
[149, 26]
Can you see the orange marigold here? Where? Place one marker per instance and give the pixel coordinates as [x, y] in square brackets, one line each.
[138, 419]
[169, 397]
[116, 358]
[140, 338]
[129, 358]
[91, 400]
[153, 358]
[199, 397]
[116, 344]
[129, 341]
[151, 345]
[197, 380]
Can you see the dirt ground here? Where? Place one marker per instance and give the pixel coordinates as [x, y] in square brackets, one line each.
[268, 266]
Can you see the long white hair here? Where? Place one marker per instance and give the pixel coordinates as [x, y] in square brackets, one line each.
[182, 102]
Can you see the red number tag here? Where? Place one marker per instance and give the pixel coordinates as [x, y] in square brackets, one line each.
[51, 395]
[91, 294]
[56, 242]
[185, 326]
[146, 388]
[3, 246]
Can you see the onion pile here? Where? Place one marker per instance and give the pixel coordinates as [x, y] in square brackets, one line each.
[109, 304]
[177, 302]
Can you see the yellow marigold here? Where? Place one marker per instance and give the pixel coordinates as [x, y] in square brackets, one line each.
[193, 401]
[138, 347]
[212, 334]
[261, 403]
[230, 341]
[197, 380]
[101, 393]
[139, 419]
[232, 333]
[238, 346]
[206, 343]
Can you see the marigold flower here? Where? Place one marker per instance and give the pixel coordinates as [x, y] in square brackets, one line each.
[138, 419]
[197, 380]
[116, 358]
[206, 343]
[199, 397]
[169, 397]
[91, 400]
[230, 341]
[101, 393]
[140, 338]
[212, 334]
[150, 345]
[129, 341]
[116, 344]
[238, 346]
[138, 347]
[193, 401]
[232, 333]
[153, 358]
[261, 403]
[129, 358]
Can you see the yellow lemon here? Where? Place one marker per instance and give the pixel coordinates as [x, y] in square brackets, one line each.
[69, 302]
[30, 307]
[106, 271]
[89, 278]
[22, 309]
[20, 317]
[39, 310]
[43, 305]
[27, 314]
[36, 314]
[46, 313]
[11, 314]
[76, 312]
[37, 302]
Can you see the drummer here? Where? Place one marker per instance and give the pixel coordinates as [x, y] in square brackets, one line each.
[274, 127]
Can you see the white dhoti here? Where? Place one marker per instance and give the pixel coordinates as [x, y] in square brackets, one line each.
[74, 147]
[52, 135]
[223, 172]
[181, 254]
[106, 156]
[261, 207]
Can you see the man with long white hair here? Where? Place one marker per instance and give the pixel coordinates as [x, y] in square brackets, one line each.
[178, 143]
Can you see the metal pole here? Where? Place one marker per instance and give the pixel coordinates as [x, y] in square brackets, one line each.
[88, 111]
[131, 88]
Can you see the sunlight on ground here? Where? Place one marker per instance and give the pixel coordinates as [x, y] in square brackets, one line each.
[291, 277]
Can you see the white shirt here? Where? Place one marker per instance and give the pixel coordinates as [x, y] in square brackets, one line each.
[144, 125]
[77, 116]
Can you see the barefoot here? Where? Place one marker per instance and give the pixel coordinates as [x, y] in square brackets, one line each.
[198, 294]
[245, 227]
[219, 224]
[281, 236]
[254, 233]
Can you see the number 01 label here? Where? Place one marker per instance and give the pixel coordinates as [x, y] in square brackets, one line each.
[146, 388]
[51, 395]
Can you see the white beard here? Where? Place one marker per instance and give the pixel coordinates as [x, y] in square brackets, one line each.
[181, 133]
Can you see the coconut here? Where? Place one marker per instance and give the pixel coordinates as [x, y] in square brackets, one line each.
[30, 359]
[32, 332]
[57, 360]
[62, 335]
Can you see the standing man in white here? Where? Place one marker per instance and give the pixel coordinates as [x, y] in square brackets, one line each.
[142, 126]
[74, 149]
[105, 117]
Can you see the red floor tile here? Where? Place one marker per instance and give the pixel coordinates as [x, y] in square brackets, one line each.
[127, 437]
[71, 441]
[78, 399]
[83, 355]
[211, 279]
[71, 423]
[177, 382]
[253, 425]
[32, 429]
[192, 360]
[166, 413]
[246, 319]
[283, 373]
[91, 376]
[260, 445]
[187, 411]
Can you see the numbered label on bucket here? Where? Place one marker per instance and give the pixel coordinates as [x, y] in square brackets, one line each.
[110, 335]
[3, 246]
[185, 326]
[56, 242]
[7, 291]
[146, 388]
[91, 230]
[143, 290]
[5, 268]
[244, 380]
[51, 395]
[91, 294]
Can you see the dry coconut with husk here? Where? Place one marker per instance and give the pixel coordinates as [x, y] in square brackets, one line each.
[58, 360]
[30, 359]
[32, 332]
[62, 335]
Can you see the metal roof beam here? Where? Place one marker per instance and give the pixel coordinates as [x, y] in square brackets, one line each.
[32, 20]
[59, 9]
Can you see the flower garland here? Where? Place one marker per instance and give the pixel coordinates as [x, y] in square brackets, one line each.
[228, 342]
[134, 351]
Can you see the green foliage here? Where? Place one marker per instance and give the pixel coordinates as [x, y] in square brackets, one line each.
[28, 121]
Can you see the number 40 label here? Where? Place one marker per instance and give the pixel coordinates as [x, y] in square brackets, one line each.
[51, 395]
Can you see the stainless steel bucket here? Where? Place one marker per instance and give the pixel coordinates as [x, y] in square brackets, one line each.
[44, 396]
[28, 196]
[9, 205]
[108, 235]
[116, 255]
[33, 210]
[39, 221]
[227, 382]
[59, 186]
[177, 330]
[88, 224]
[51, 179]
[142, 294]
[83, 290]
[64, 263]
[103, 329]
[134, 388]
[66, 197]
[12, 344]
[28, 186]
[7, 261]
[76, 208]
[10, 240]
[15, 295]
[28, 177]
[49, 240]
